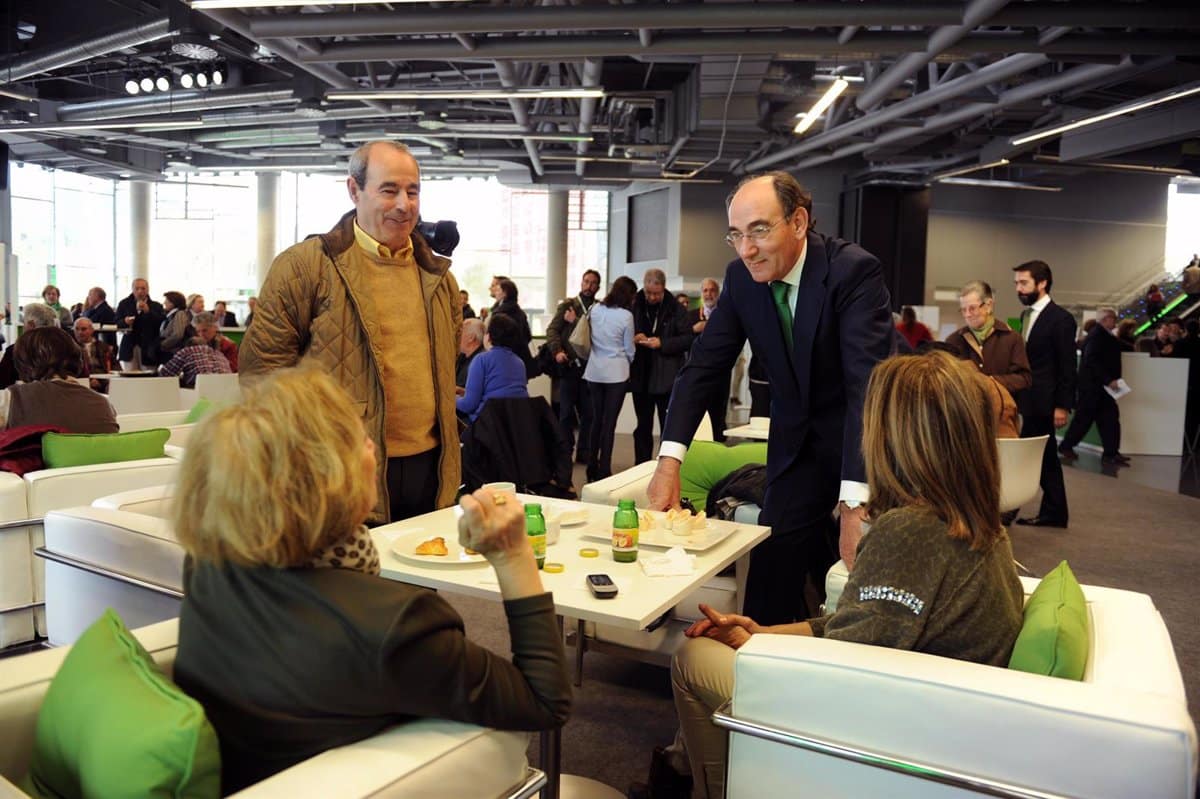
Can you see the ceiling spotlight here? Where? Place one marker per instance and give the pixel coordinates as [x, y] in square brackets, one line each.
[187, 80]
[147, 84]
[218, 77]
[201, 79]
[162, 83]
[131, 86]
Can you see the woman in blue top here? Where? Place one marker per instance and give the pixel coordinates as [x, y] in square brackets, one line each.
[607, 372]
[498, 372]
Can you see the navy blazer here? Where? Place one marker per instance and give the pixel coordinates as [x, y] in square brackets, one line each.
[1051, 351]
[841, 328]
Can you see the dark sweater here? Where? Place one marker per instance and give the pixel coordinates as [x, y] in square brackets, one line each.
[913, 587]
[64, 403]
[290, 662]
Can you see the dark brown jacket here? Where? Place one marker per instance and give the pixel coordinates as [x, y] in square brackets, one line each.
[1003, 355]
[290, 662]
[60, 402]
[913, 587]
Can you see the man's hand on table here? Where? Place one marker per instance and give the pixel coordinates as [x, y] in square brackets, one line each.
[493, 524]
[663, 491]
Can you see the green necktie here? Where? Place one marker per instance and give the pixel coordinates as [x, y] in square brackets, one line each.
[782, 307]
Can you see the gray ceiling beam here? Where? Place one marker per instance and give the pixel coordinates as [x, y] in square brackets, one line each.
[59, 57]
[476, 20]
[1148, 128]
[976, 13]
[866, 45]
[508, 78]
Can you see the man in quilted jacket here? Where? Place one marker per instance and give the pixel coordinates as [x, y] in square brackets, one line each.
[372, 304]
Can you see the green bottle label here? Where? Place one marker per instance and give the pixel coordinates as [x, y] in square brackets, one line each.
[625, 535]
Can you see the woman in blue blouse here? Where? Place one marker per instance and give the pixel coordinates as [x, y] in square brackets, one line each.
[607, 372]
[499, 372]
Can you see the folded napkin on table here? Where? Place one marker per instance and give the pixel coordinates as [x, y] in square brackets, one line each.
[675, 562]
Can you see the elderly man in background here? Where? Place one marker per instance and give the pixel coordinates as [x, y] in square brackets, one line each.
[36, 315]
[208, 328]
[197, 356]
[372, 304]
[662, 337]
[97, 355]
[697, 318]
[989, 343]
[1099, 368]
[141, 317]
[574, 400]
[470, 344]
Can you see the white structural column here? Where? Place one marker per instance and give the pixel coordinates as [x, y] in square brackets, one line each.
[556, 249]
[139, 227]
[268, 200]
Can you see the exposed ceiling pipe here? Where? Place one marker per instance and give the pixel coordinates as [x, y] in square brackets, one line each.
[785, 46]
[476, 19]
[941, 122]
[57, 58]
[172, 102]
[508, 79]
[975, 14]
[1000, 70]
[592, 68]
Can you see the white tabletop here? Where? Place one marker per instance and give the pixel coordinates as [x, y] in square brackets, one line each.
[639, 601]
[749, 431]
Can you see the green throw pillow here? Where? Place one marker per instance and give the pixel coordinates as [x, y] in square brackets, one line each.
[203, 407]
[84, 449]
[113, 725]
[1054, 635]
[707, 462]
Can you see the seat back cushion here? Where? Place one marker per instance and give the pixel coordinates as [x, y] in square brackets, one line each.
[112, 724]
[1054, 635]
[60, 450]
[707, 462]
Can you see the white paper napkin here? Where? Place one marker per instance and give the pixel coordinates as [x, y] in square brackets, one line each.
[675, 562]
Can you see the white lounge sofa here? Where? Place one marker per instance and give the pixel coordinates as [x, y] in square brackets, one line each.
[24, 501]
[174, 421]
[431, 758]
[814, 717]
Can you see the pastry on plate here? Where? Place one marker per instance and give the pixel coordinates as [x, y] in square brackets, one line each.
[434, 546]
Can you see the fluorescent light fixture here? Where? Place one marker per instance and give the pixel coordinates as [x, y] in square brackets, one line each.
[999, 184]
[16, 95]
[528, 93]
[970, 168]
[215, 4]
[831, 94]
[847, 78]
[1121, 110]
[67, 127]
[418, 135]
[596, 159]
[679, 179]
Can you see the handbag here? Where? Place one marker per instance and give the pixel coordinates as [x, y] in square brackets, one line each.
[581, 337]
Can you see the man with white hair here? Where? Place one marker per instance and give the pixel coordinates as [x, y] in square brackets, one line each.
[718, 407]
[1099, 368]
[372, 304]
[36, 315]
[470, 344]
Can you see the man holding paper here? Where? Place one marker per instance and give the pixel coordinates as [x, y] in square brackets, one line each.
[1099, 368]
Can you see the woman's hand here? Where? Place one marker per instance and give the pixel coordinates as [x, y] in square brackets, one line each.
[731, 629]
[493, 524]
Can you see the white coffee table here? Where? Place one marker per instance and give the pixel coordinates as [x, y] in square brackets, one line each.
[749, 431]
[639, 602]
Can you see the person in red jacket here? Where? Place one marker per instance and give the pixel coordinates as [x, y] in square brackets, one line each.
[913, 331]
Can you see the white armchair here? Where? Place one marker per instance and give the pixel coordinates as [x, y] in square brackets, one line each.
[430, 758]
[825, 718]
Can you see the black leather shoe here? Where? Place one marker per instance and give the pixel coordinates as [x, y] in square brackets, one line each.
[1115, 460]
[664, 782]
[1067, 454]
[1008, 517]
[1041, 521]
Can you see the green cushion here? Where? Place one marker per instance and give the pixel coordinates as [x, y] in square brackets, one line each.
[1054, 635]
[113, 725]
[707, 462]
[84, 449]
[203, 407]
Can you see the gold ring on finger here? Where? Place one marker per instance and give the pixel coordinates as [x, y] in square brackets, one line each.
[499, 499]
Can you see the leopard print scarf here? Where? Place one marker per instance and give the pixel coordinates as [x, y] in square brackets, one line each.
[356, 551]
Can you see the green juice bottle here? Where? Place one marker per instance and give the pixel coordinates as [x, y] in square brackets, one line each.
[535, 528]
[625, 532]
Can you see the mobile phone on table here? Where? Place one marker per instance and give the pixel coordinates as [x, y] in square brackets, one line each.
[602, 586]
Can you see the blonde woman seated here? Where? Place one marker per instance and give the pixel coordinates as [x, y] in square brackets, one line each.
[289, 637]
[934, 575]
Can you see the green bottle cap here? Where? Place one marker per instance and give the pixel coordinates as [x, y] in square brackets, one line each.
[532, 507]
[625, 504]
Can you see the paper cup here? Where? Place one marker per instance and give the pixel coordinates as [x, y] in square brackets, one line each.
[507, 487]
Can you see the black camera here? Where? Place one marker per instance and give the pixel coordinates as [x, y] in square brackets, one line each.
[442, 236]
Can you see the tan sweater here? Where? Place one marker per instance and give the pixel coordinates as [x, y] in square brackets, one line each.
[407, 367]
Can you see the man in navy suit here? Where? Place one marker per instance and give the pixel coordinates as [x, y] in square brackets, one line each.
[1049, 333]
[834, 295]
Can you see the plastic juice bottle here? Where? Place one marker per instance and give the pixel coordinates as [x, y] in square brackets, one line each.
[625, 532]
[535, 528]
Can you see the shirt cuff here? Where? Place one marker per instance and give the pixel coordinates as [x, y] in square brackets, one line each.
[852, 491]
[672, 449]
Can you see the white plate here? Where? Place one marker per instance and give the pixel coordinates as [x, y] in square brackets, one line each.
[404, 546]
